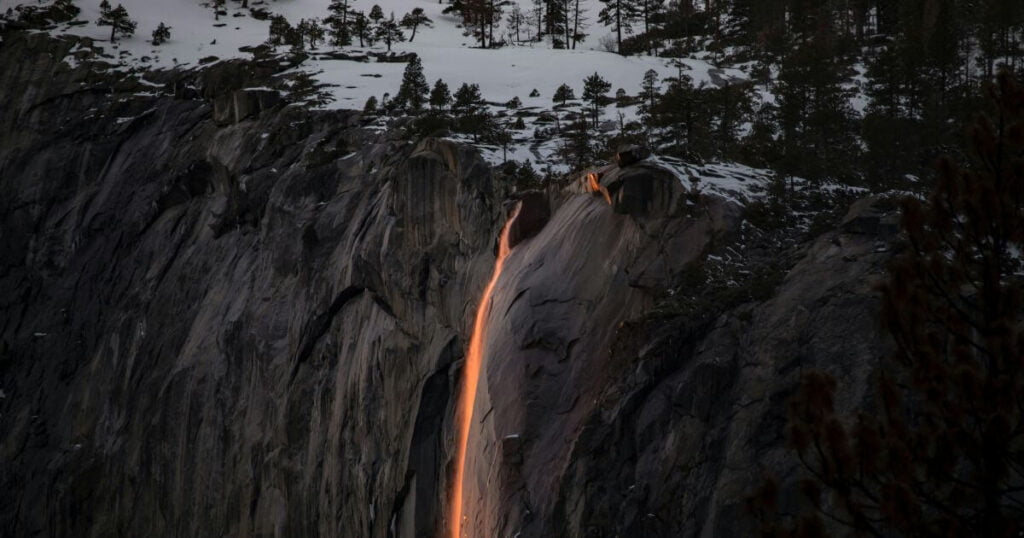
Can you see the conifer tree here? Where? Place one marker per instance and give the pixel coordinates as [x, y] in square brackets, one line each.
[362, 29]
[161, 34]
[389, 32]
[649, 91]
[468, 107]
[117, 19]
[370, 108]
[376, 14]
[467, 98]
[218, 9]
[595, 92]
[620, 15]
[314, 32]
[412, 94]
[578, 146]
[279, 30]
[649, 12]
[563, 94]
[414, 19]
[516, 21]
[579, 24]
[339, 22]
[556, 21]
[440, 97]
[816, 119]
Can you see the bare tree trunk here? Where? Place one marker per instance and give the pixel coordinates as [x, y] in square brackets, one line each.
[576, 23]
[619, 27]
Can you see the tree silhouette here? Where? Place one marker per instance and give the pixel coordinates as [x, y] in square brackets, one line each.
[161, 34]
[412, 93]
[414, 19]
[389, 32]
[595, 90]
[563, 94]
[117, 19]
[440, 96]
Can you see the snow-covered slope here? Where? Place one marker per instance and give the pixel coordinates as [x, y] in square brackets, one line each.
[447, 54]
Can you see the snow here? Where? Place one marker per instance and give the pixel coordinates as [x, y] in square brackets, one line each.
[447, 54]
[732, 181]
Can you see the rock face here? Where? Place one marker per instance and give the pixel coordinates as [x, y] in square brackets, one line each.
[243, 330]
[250, 323]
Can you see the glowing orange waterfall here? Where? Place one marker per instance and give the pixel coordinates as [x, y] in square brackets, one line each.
[471, 378]
[594, 183]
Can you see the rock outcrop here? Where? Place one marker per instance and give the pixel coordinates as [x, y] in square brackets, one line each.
[247, 319]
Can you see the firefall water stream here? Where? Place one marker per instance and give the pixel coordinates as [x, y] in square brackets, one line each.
[471, 379]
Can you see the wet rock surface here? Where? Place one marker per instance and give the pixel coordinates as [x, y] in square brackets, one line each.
[251, 323]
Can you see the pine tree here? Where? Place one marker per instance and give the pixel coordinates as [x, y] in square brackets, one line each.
[595, 90]
[279, 30]
[649, 92]
[578, 149]
[579, 24]
[620, 15]
[117, 19]
[362, 29]
[414, 19]
[516, 21]
[556, 20]
[682, 111]
[648, 12]
[440, 97]
[537, 14]
[218, 9]
[376, 14]
[816, 119]
[316, 33]
[563, 94]
[941, 453]
[370, 108]
[467, 98]
[339, 22]
[161, 34]
[412, 94]
[389, 32]
[471, 115]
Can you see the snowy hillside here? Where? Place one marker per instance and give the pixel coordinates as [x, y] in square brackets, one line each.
[446, 53]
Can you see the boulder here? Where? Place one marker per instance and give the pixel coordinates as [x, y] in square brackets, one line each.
[631, 154]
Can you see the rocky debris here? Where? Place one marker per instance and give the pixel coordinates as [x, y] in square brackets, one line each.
[345, 56]
[393, 57]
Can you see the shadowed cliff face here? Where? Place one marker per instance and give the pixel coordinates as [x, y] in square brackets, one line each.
[253, 326]
[226, 330]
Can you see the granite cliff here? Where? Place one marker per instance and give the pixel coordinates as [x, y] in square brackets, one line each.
[223, 315]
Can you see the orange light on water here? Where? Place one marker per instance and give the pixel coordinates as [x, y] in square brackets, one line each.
[471, 379]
